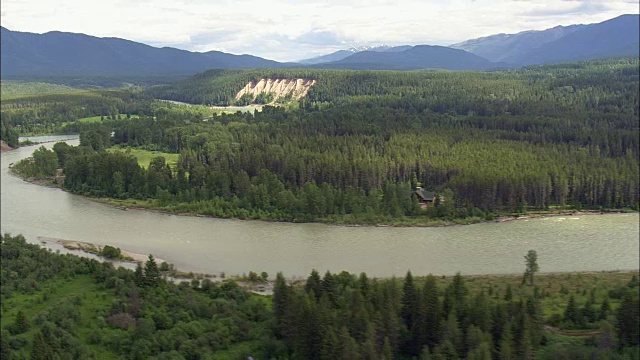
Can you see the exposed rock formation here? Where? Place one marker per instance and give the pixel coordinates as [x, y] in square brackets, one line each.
[278, 88]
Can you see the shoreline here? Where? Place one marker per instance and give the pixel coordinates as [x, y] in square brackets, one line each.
[115, 203]
[265, 286]
[96, 249]
[502, 218]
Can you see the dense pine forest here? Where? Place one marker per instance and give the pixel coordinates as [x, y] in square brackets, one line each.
[58, 306]
[488, 143]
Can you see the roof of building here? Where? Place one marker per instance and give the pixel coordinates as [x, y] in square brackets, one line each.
[424, 194]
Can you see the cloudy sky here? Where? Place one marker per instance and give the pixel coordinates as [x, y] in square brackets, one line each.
[287, 30]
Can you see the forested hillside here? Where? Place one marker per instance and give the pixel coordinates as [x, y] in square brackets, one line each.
[542, 138]
[63, 306]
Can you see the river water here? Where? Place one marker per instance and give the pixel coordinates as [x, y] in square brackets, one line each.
[570, 243]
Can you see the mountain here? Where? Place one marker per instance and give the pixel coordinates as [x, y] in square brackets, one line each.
[416, 57]
[612, 38]
[70, 54]
[341, 54]
[505, 46]
[334, 56]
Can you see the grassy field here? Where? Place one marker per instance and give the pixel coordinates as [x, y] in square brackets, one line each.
[97, 119]
[555, 288]
[144, 156]
[14, 89]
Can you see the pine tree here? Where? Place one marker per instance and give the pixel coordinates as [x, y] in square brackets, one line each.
[40, 350]
[531, 262]
[571, 311]
[21, 325]
[628, 317]
[508, 295]
[604, 309]
[451, 333]
[409, 312]
[313, 284]
[429, 320]
[138, 276]
[329, 349]
[280, 301]
[506, 344]
[151, 272]
[387, 351]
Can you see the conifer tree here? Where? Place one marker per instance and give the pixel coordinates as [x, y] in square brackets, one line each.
[138, 276]
[151, 272]
[571, 311]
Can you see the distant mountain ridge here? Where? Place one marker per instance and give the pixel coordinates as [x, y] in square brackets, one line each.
[502, 47]
[341, 54]
[611, 38]
[416, 57]
[70, 54]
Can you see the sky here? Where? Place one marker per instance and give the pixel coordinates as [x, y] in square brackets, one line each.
[289, 30]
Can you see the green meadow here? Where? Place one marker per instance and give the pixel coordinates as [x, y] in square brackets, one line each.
[144, 157]
[12, 89]
[97, 119]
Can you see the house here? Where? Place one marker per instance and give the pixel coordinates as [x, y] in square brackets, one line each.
[426, 198]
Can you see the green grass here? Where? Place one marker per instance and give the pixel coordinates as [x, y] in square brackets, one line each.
[97, 119]
[12, 89]
[144, 156]
[556, 288]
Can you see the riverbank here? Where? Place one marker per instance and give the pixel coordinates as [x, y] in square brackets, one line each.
[345, 220]
[252, 281]
[96, 249]
[4, 146]
[151, 205]
[561, 282]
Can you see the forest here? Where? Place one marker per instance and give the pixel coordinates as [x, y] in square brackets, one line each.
[488, 143]
[57, 306]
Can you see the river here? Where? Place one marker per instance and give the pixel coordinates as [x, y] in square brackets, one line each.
[571, 243]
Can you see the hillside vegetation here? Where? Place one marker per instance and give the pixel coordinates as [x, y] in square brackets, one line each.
[63, 306]
[539, 139]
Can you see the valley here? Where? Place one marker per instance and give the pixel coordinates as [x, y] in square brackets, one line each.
[477, 200]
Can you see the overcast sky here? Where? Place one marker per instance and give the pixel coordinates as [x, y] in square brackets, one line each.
[287, 30]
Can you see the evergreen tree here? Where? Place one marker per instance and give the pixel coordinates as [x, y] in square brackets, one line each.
[138, 276]
[430, 318]
[409, 311]
[151, 272]
[387, 351]
[330, 345]
[604, 309]
[531, 262]
[506, 348]
[571, 311]
[40, 350]
[508, 295]
[21, 324]
[313, 284]
[628, 317]
[280, 301]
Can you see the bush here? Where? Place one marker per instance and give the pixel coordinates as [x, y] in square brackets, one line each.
[111, 252]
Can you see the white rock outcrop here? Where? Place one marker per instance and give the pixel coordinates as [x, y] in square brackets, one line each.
[280, 88]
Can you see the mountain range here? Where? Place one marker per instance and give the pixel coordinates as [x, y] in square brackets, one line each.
[68, 54]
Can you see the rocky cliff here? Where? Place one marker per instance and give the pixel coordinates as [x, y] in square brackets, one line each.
[278, 88]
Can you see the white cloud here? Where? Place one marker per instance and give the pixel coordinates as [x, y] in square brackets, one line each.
[294, 29]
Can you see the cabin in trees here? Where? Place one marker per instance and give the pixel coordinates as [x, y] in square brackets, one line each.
[426, 198]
